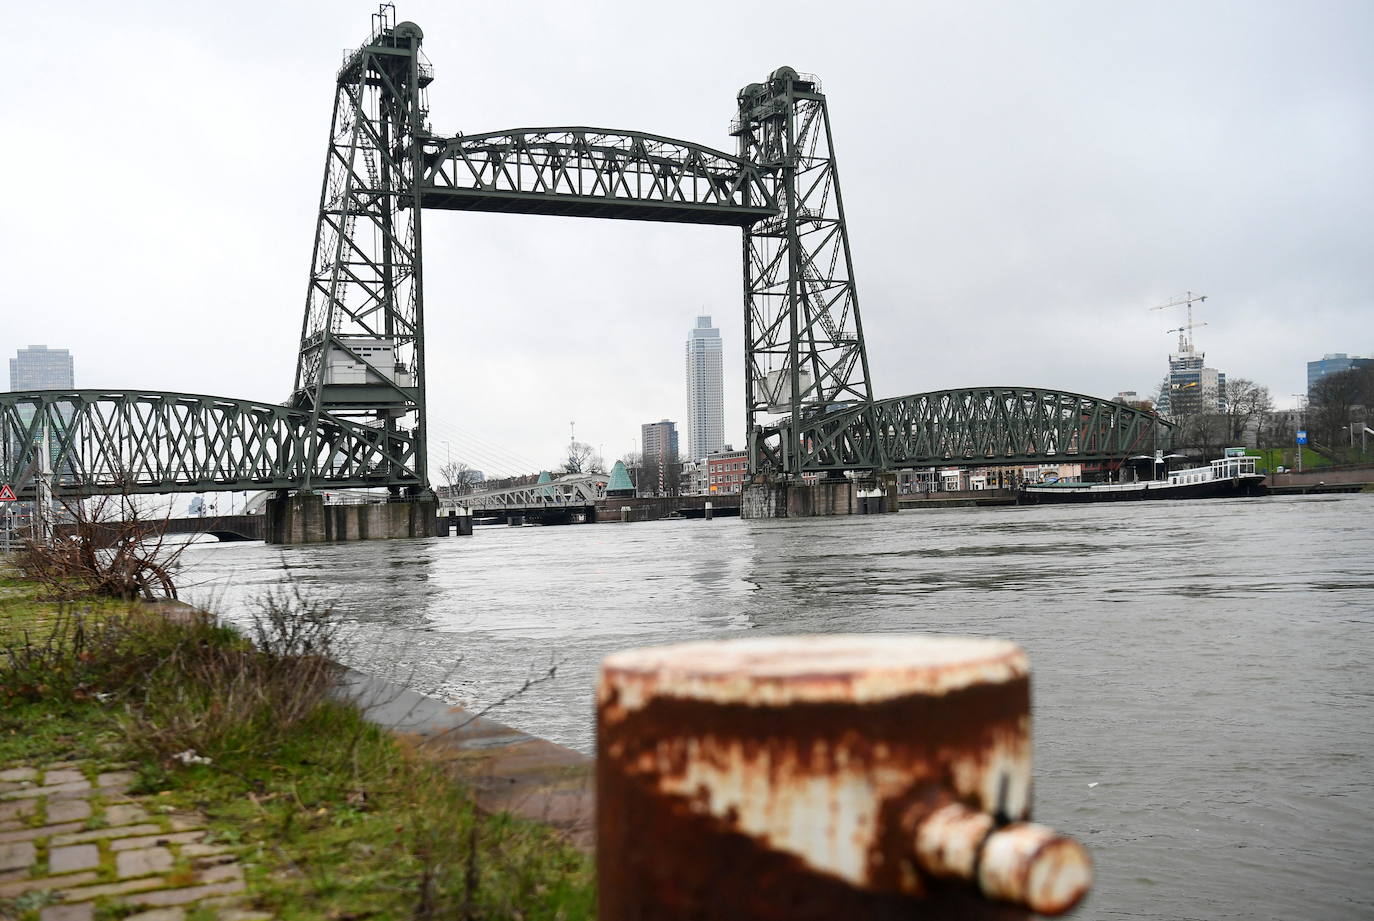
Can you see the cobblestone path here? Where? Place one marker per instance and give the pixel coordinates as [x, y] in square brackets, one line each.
[74, 841]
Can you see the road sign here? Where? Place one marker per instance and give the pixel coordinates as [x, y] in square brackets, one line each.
[1302, 436]
[7, 493]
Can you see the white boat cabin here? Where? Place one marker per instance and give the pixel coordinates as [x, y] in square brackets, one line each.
[1224, 468]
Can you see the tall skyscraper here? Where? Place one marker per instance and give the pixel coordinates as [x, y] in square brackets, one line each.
[41, 368]
[705, 391]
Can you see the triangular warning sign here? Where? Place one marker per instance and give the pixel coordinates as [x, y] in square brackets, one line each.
[6, 493]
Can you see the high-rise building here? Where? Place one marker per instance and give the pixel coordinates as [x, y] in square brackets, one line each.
[1191, 388]
[659, 460]
[1333, 363]
[41, 368]
[705, 391]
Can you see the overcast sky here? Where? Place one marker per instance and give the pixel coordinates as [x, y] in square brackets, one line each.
[1022, 181]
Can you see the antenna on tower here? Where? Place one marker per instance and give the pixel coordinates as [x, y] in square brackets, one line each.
[1187, 299]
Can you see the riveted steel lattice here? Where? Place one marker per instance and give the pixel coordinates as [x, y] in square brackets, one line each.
[804, 340]
[356, 416]
[978, 425]
[578, 489]
[113, 441]
[362, 339]
[594, 172]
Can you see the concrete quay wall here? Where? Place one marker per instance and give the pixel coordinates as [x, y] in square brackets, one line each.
[1348, 476]
[966, 498]
[652, 508]
[508, 770]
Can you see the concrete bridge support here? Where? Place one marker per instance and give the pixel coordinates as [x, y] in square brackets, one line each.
[820, 499]
[303, 518]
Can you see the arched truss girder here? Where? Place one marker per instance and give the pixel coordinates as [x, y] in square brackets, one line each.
[593, 172]
[579, 489]
[974, 425]
[145, 441]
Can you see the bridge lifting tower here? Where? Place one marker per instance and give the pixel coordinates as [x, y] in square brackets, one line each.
[362, 352]
[805, 353]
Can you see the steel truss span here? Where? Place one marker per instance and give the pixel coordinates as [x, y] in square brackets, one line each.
[980, 425]
[357, 412]
[580, 489]
[593, 172]
[141, 441]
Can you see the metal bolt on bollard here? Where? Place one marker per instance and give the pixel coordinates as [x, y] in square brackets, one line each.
[823, 777]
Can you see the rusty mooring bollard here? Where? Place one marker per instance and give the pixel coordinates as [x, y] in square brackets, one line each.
[823, 777]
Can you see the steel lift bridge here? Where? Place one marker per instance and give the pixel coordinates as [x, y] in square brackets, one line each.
[356, 415]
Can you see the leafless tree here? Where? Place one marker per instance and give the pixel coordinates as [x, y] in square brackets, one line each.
[581, 459]
[110, 547]
[459, 479]
[1277, 429]
[1332, 402]
[1204, 433]
[1246, 402]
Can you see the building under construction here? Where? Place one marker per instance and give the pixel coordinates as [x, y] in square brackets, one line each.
[1191, 387]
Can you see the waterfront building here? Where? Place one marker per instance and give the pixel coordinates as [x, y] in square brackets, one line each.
[727, 471]
[41, 368]
[659, 458]
[705, 391]
[1333, 363]
[695, 480]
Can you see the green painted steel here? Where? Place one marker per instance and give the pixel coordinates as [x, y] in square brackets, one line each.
[362, 354]
[975, 425]
[140, 441]
[804, 339]
[594, 172]
[357, 412]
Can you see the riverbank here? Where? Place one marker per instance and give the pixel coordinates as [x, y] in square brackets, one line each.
[1193, 660]
[149, 764]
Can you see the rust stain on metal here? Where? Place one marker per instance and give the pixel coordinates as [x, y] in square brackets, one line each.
[798, 777]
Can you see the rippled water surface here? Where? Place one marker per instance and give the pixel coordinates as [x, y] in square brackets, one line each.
[1202, 671]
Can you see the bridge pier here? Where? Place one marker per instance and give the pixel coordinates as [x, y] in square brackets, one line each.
[303, 518]
[820, 499]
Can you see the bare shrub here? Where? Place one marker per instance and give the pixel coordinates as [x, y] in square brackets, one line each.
[112, 550]
[84, 653]
[243, 697]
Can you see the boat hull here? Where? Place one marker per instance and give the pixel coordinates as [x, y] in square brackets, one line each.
[1232, 487]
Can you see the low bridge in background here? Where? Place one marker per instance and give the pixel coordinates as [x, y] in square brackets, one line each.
[225, 528]
[567, 499]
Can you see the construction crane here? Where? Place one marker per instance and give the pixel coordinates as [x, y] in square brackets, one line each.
[1187, 299]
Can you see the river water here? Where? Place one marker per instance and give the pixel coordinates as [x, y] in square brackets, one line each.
[1202, 676]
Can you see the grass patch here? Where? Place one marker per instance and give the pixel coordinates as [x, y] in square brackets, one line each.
[329, 816]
